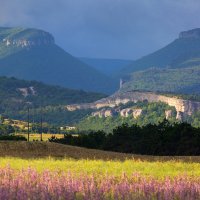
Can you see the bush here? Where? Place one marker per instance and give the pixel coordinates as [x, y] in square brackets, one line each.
[13, 137]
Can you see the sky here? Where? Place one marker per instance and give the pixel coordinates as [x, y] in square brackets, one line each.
[121, 29]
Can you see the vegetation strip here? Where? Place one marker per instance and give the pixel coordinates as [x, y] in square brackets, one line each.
[60, 179]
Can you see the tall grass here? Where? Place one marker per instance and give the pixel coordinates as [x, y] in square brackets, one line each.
[29, 183]
[74, 173]
[115, 168]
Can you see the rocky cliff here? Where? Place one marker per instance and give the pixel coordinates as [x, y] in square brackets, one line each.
[183, 107]
[194, 33]
[134, 112]
[28, 91]
[131, 111]
[26, 38]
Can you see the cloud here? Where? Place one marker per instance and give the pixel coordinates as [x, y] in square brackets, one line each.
[105, 28]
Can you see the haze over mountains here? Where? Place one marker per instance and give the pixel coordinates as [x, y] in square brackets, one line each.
[109, 67]
[32, 54]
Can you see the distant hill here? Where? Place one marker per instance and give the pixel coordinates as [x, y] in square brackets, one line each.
[32, 54]
[17, 95]
[182, 52]
[106, 66]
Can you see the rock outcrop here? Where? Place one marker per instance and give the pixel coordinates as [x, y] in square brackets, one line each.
[137, 113]
[183, 106]
[168, 114]
[131, 111]
[126, 112]
[40, 38]
[180, 116]
[134, 112]
[194, 33]
[29, 91]
[104, 113]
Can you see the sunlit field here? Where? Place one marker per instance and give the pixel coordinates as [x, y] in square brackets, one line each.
[37, 137]
[48, 178]
[158, 169]
[92, 174]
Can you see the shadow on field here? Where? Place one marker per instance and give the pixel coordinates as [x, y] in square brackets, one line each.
[46, 149]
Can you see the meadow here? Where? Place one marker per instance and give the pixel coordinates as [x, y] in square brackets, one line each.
[66, 172]
[37, 137]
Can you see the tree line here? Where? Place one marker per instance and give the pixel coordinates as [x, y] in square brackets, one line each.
[164, 138]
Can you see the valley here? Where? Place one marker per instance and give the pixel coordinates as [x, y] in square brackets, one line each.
[172, 87]
[99, 100]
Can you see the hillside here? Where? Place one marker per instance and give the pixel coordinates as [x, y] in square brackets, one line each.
[140, 107]
[150, 110]
[140, 113]
[16, 95]
[182, 52]
[181, 104]
[37, 150]
[47, 149]
[107, 66]
[32, 54]
[180, 81]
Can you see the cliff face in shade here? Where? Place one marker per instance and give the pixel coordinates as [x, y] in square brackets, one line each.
[183, 107]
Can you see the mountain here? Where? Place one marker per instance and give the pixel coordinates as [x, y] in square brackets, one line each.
[17, 95]
[107, 66]
[182, 52]
[32, 54]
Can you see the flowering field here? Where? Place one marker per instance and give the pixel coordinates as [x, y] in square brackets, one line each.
[50, 178]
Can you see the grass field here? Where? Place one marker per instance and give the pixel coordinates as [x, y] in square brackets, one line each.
[66, 172]
[37, 137]
[101, 168]
[52, 156]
